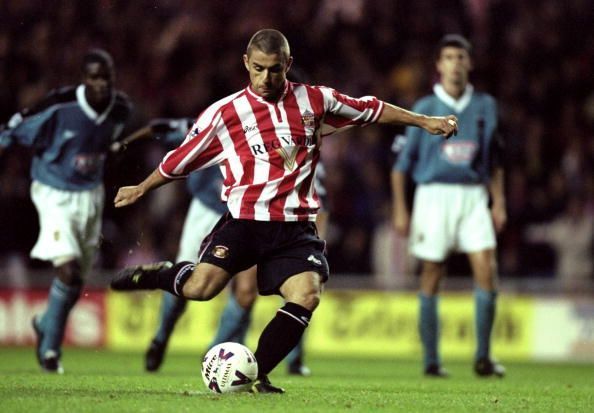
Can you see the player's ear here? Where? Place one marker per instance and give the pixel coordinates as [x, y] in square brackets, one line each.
[289, 63]
[245, 62]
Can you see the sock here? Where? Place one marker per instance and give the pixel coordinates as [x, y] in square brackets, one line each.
[61, 299]
[233, 324]
[429, 329]
[173, 279]
[484, 304]
[280, 335]
[172, 307]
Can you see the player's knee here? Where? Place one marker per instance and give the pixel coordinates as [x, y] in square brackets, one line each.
[309, 299]
[70, 273]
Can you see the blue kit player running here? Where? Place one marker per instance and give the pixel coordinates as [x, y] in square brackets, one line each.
[70, 132]
[451, 203]
[267, 139]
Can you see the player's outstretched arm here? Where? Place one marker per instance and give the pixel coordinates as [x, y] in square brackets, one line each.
[142, 133]
[128, 195]
[435, 125]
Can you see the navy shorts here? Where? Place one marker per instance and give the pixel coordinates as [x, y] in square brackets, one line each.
[280, 249]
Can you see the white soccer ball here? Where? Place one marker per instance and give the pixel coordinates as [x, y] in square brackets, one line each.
[229, 367]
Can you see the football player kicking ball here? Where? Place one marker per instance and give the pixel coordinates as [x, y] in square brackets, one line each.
[267, 139]
[205, 210]
[450, 210]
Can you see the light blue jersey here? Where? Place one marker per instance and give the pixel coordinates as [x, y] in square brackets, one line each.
[70, 139]
[204, 184]
[466, 158]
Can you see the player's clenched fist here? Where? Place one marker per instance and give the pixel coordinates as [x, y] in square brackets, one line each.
[442, 125]
[127, 195]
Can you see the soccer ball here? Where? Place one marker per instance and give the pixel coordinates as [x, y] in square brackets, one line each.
[229, 367]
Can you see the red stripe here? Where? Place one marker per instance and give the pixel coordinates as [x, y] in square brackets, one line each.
[234, 127]
[295, 120]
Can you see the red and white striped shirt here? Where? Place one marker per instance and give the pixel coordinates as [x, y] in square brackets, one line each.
[268, 151]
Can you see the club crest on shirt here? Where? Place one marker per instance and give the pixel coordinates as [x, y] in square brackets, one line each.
[289, 155]
[220, 251]
[308, 119]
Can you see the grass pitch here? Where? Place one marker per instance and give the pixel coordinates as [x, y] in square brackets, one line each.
[101, 381]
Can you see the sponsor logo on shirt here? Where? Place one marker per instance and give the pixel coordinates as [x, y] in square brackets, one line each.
[459, 152]
[314, 260]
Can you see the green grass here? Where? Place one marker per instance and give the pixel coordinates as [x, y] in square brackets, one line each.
[101, 381]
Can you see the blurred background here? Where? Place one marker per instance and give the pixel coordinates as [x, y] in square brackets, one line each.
[174, 57]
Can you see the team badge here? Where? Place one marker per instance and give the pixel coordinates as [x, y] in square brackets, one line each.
[220, 251]
[308, 119]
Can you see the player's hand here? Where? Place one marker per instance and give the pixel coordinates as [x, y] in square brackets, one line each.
[442, 125]
[401, 221]
[499, 216]
[127, 195]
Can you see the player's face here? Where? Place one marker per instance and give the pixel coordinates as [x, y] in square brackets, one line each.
[453, 65]
[98, 79]
[268, 73]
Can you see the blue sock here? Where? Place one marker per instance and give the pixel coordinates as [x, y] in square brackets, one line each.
[60, 301]
[234, 323]
[172, 307]
[429, 328]
[296, 355]
[484, 302]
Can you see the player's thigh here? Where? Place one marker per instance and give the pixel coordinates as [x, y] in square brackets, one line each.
[200, 220]
[207, 281]
[432, 234]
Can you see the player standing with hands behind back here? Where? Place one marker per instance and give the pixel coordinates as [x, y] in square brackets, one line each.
[267, 137]
[70, 132]
[450, 210]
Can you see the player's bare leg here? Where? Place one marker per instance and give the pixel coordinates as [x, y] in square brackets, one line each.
[484, 269]
[431, 275]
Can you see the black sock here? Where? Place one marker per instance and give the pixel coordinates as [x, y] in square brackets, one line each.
[173, 279]
[280, 336]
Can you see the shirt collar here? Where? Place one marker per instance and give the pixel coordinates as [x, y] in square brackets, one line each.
[457, 104]
[261, 99]
[87, 108]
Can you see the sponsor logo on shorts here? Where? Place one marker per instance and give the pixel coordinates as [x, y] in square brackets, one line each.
[314, 260]
[220, 251]
[56, 235]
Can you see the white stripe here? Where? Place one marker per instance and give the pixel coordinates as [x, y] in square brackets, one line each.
[280, 310]
[261, 161]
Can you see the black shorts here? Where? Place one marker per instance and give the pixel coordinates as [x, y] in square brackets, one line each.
[280, 249]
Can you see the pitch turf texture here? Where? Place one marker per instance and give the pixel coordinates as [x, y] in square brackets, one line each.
[100, 381]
